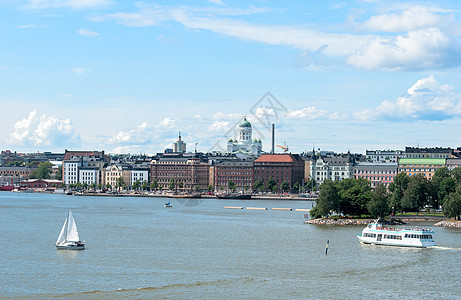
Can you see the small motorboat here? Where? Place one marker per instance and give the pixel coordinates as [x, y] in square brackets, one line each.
[168, 204]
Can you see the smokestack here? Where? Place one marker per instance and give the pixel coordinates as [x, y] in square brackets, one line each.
[273, 138]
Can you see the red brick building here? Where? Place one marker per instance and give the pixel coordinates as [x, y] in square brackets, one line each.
[239, 172]
[189, 173]
[281, 167]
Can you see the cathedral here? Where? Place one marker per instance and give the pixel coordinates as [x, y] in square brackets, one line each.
[244, 144]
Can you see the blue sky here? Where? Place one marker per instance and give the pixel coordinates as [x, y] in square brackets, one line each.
[127, 76]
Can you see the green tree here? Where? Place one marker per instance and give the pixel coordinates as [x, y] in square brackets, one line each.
[100, 186]
[258, 185]
[180, 185]
[231, 185]
[108, 186]
[136, 185]
[271, 184]
[43, 171]
[296, 187]
[378, 206]
[416, 194]
[456, 173]
[172, 184]
[285, 186]
[354, 196]
[120, 182]
[59, 173]
[311, 185]
[210, 188]
[153, 185]
[328, 199]
[452, 204]
[397, 189]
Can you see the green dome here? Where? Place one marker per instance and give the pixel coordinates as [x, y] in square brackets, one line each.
[245, 123]
[230, 141]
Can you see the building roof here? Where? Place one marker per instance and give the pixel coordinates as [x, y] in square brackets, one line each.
[245, 123]
[276, 158]
[422, 161]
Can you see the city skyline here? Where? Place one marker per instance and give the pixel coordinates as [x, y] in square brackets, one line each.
[127, 76]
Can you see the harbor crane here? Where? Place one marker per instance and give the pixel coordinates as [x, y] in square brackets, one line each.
[285, 148]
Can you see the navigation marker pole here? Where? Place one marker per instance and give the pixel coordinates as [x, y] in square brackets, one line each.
[326, 249]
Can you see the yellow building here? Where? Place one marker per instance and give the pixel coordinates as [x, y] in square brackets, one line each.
[113, 172]
[424, 166]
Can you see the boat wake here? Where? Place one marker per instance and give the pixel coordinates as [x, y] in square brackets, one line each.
[445, 248]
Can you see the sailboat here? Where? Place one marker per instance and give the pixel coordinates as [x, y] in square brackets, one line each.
[68, 238]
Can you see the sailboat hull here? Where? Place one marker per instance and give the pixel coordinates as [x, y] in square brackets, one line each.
[70, 246]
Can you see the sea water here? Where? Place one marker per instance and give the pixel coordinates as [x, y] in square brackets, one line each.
[136, 248]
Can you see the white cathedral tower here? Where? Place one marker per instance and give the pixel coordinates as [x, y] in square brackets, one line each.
[244, 144]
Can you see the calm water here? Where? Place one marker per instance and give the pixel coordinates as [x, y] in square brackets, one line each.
[136, 248]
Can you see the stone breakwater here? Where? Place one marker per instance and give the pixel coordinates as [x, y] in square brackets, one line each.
[449, 224]
[339, 222]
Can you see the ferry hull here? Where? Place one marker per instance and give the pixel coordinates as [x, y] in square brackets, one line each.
[385, 243]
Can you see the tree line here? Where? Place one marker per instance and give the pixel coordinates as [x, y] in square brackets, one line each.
[354, 197]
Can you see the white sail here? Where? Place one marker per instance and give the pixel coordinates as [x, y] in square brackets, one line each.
[62, 235]
[72, 233]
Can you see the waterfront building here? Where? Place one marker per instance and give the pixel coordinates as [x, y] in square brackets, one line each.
[16, 174]
[41, 183]
[384, 156]
[336, 167]
[91, 160]
[187, 172]
[244, 143]
[140, 174]
[115, 171]
[424, 166]
[437, 152]
[240, 172]
[179, 146]
[376, 173]
[88, 175]
[280, 167]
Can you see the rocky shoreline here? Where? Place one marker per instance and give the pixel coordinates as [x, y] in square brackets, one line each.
[449, 224]
[339, 221]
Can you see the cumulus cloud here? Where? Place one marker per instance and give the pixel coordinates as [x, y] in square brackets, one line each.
[418, 50]
[425, 100]
[219, 126]
[74, 4]
[43, 131]
[87, 32]
[422, 43]
[166, 123]
[309, 113]
[412, 18]
[141, 135]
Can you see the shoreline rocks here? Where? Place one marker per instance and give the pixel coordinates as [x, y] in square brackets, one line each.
[342, 222]
[448, 224]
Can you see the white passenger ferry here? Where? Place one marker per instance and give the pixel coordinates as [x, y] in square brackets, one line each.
[375, 233]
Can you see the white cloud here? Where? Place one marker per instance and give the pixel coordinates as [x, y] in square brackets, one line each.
[43, 131]
[166, 123]
[141, 135]
[74, 4]
[426, 100]
[227, 116]
[86, 32]
[418, 50]
[78, 70]
[412, 18]
[219, 126]
[425, 46]
[309, 113]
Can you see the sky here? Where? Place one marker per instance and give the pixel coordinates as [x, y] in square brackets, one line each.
[128, 76]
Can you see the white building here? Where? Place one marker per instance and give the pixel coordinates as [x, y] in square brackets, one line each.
[70, 170]
[179, 146]
[88, 175]
[333, 168]
[140, 175]
[244, 143]
[384, 156]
